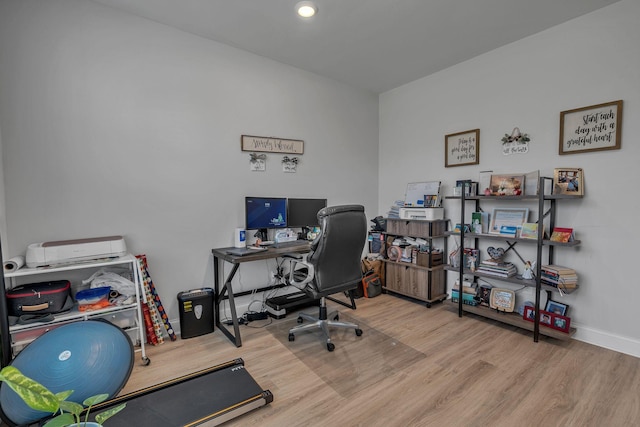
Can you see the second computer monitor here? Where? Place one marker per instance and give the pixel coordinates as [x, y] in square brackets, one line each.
[304, 212]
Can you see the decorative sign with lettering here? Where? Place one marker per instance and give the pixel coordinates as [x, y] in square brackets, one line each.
[462, 148]
[271, 145]
[592, 128]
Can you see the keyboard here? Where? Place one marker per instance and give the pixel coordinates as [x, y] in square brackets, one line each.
[294, 243]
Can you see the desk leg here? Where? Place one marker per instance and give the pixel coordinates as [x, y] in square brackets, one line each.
[219, 296]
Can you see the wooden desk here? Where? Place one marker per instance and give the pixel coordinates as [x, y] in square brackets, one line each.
[220, 255]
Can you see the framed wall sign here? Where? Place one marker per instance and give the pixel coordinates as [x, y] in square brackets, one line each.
[271, 145]
[462, 148]
[593, 128]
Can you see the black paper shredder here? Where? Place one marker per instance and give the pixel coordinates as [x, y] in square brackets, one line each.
[196, 312]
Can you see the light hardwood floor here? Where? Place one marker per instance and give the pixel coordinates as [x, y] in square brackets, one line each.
[476, 373]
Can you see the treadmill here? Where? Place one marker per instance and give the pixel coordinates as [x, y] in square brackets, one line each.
[208, 397]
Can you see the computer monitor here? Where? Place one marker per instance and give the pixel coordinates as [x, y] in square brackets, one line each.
[303, 213]
[262, 213]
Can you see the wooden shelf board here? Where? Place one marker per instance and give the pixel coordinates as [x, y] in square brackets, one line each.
[514, 320]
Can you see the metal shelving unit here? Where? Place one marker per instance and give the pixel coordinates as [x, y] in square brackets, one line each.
[17, 336]
[546, 209]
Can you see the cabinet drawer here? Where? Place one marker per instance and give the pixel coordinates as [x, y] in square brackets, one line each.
[419, 283]
[416, 228]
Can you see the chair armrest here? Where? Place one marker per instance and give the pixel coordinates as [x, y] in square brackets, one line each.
[310, 270]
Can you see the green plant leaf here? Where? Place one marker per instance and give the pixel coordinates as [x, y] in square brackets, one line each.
[103, 416]
[34, 394]
[92, 400]
[73, 407]
[60, 421]
[62, 395]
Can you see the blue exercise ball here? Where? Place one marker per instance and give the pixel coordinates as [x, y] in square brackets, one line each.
[90, 357]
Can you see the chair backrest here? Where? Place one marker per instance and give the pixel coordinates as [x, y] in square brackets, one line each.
[336, 253]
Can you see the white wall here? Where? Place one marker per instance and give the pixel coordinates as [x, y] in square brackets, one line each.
[113, 124]
[590, 60]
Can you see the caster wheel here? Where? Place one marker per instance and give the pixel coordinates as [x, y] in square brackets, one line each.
[336, 317]
[300, 319]
[428, 305]
[146, 361]
[359, 332]
[330, 346]
[292, 337]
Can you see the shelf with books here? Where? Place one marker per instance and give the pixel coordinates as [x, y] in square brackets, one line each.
[537, 239]
[512, 239]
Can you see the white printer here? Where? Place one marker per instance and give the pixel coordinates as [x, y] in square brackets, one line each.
[422, 213]
[69, 251]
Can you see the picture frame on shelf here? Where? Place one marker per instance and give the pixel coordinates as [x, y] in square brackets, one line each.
[507, 185]
[507, 217]
[593, 128]
[556, 308]
[529, 313]
[568, 181]
[483, 295]
[502, 300]
[545, 318]
[560, 323]
[529, 230]
[462, 148]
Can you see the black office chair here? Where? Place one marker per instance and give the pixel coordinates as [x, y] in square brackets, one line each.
[332, 266]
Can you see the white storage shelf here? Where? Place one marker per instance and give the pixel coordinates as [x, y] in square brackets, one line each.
[22, 335]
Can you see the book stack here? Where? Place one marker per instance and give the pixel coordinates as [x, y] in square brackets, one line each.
[394, 212]
[559, 276]
[497, 268]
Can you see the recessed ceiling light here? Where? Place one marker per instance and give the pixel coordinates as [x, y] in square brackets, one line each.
[306, 9]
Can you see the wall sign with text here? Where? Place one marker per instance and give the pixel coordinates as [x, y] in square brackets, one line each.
[271, 145]
[593, 128]
[462, 148]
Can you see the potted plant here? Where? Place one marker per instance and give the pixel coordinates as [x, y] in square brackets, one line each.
[40, 398]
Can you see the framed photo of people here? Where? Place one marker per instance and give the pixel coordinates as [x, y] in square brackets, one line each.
[548, 319]
[568, 181]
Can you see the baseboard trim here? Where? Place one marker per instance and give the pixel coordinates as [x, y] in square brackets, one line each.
[608, 340]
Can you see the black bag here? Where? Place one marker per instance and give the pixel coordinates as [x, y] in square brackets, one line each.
[38, 298]
[371, 285]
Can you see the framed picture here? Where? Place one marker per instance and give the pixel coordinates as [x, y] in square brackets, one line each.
[556, 308]
[529, 313]
[267, 144]
[462, 148]
[569, 181]
[545, 318]
[507, 219]
[507, 185]
[548, 319]
[560, 323]
[483, 295]
[502, 300]
[593, 128]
